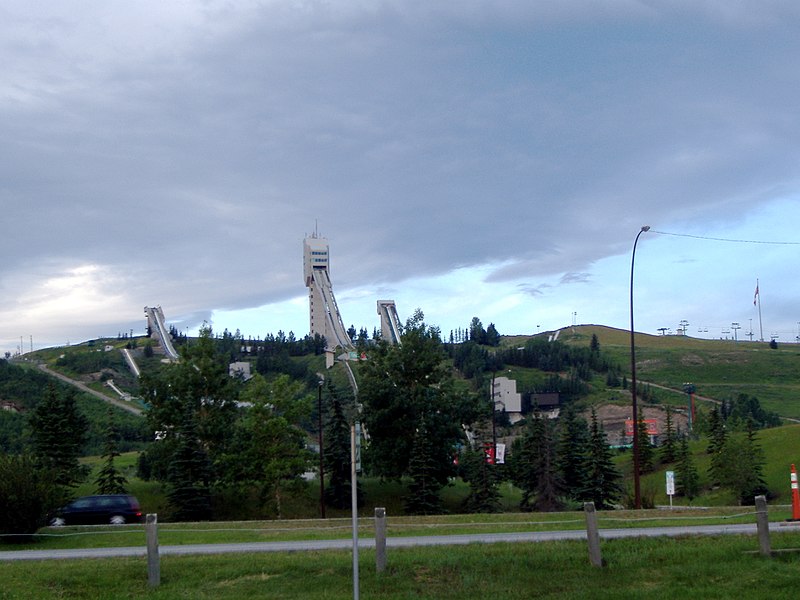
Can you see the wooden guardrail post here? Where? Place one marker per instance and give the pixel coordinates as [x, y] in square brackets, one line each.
[153, 558]
[592, 534]
[380, 539]
[762, 521]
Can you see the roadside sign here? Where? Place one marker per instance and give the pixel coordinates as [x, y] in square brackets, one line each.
[670, 486]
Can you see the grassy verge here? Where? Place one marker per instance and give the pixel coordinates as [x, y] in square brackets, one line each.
[661, 568]
[340, 528]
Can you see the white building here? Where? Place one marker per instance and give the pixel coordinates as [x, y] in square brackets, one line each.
[505, 396]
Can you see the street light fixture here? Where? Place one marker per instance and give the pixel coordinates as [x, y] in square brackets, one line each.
[637, 495]
[321, 455]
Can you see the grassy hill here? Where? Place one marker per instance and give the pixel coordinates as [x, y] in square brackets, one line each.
[720, 369]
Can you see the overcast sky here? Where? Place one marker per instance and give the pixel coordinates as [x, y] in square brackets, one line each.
[469, 158]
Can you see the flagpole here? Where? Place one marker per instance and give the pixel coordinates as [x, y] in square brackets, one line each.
[760, 325]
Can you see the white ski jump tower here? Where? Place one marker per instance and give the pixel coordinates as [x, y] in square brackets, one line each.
[390, 322]
[324, 315]
[157, 325]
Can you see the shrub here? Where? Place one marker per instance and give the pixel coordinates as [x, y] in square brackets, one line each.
[28, 495]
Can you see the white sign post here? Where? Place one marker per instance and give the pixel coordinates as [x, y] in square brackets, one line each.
[670, 486]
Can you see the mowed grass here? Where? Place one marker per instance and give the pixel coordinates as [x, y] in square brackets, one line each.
[720, 369]
[176, 534]
[655, 568]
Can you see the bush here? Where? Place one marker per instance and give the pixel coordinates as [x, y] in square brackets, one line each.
[28, 495]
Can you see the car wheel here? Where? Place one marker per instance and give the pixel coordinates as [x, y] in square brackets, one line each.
[118, 520]
[57, 522]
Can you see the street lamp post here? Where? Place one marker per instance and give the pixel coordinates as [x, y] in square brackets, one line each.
[494, 424]
[321, 456]
[637, 496]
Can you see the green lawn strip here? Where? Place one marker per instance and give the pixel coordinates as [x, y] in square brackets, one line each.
[316, 529]
[656, 568]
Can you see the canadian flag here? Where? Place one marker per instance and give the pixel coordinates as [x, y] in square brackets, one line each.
[755, 295]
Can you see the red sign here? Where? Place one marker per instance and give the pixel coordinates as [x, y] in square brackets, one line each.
[651, 424]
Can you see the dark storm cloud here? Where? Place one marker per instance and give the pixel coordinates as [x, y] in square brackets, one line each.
[187, 151]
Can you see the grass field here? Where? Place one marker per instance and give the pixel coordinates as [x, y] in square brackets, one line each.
[720, 369]
[705, 568]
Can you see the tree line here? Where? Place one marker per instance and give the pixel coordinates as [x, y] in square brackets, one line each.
[221, 444]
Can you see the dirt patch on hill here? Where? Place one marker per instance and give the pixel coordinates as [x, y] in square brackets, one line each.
[613, 417]
[692, 360]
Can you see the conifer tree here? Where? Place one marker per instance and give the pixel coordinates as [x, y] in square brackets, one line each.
[646, 450]
[573, 443]
[669, 449]
[718, 441]
[110, 479]
[534, 467]
[687, 482]
[484, 495]
[59, 431]
[338, 490]
[188, 476]
[423, 497]
[753, 484]
[717, 432]
[602, 482]
[740, 466]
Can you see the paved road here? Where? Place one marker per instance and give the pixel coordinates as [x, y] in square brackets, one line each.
[397, 542]
[85, 388]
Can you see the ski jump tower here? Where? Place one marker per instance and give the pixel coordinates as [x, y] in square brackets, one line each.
[324, 315]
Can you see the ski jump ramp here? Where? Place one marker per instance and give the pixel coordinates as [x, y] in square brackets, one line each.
[155, 323]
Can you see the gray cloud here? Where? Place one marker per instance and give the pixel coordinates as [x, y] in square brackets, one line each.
[187, 150]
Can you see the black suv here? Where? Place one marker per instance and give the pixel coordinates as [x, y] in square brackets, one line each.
[114, 509]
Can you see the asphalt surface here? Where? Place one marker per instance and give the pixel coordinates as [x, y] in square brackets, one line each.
[396, 542]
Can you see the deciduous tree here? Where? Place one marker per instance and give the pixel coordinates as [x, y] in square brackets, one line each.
[269, 447]
[397, 385]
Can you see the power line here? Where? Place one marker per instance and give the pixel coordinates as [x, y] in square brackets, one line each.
[716, 239]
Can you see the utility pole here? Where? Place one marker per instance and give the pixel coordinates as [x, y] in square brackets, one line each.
[735, 327]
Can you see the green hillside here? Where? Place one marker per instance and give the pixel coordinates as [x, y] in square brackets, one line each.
[720, 369]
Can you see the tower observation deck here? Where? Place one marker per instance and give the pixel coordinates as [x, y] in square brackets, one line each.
[324, 315]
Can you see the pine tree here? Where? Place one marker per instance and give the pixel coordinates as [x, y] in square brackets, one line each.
[669, 452]
[687, 482]
[189, 492]
[646, 450]
[718, 441]
[338, 492]
[602, 481]
[534, 467]
[423, 497]
[573, 442]
[109, 479]
[717, 432]
[59, 433]
[484, 495]
[740, 466]
[754, 484]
